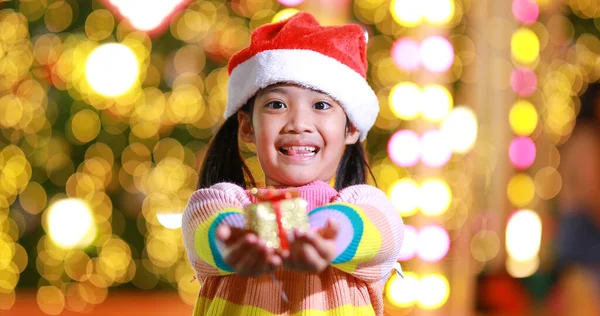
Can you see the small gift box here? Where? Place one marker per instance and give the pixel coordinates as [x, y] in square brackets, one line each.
[275, 216]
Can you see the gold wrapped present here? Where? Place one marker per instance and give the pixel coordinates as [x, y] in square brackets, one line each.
[275, 216]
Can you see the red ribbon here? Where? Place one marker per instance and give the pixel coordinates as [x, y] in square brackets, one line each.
[274, 197]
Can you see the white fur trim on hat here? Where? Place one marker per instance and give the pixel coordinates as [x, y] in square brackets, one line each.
[309, 69]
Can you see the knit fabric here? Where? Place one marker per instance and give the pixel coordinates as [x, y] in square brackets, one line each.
[369, 241]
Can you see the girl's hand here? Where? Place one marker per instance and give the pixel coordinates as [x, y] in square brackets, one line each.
[312, 251]
[247, 254]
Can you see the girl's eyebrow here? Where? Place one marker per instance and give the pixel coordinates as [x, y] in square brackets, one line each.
[274, 90]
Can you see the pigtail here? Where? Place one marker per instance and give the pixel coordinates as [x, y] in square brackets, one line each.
[353, 168]
[223, 161]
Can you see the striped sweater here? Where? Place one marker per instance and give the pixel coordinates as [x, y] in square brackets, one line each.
[369, 240]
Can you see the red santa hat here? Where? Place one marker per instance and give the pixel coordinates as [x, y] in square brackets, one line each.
[330, 59]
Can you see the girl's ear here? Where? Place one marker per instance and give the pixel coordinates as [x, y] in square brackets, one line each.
[352, 134]
[245, 129]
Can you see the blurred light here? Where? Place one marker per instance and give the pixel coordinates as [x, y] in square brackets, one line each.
[406, 12]
[434, 197]
[146, 16]
[433, 243]
[85, 125]
[405, 54]
[485, 245]
[290, 3]
[522, 269]
[522, 152]
[71, 223]
[405, 100]
[523, 81]
[112, 69]
[51, 300]
[436, 103]
[402, 292]
[520, 190]
[284, 15]
[404, 194]
[409, 243]
[435, 149]
[526, 11]
[437, 11]
[59, 15]
[548, 183]
[170, 220]
[433, 291]
[403, 148]
[460, 129]
[99, 25]
[523, 235]
[523, 118]
[437, 54]
[525, 46]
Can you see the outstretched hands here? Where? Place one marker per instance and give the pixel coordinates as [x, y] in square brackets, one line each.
[312, 251]
[248, 255]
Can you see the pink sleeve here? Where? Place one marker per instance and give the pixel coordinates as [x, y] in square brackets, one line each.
[371, 231]
[206, 209]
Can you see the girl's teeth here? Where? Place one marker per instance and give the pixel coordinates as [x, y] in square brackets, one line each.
[299, 150]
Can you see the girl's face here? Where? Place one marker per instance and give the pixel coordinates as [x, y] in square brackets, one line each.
[300, 134]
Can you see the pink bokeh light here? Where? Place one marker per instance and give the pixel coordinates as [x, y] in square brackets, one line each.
[433, 243]
[522, 152]
[526, 11]
[523, 82]
[437, 54]
[405, 54]
[435, 149]
[290, 3]
[409, 244]
[403, 148]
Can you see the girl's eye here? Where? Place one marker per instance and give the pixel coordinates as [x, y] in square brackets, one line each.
[276, 105]
[322, 105]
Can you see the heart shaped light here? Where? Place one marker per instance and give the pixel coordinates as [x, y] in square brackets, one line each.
[148, 15]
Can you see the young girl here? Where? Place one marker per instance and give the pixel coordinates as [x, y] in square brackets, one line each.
[299, 93]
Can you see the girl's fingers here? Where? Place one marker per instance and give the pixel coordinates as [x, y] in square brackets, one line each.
[236, 252]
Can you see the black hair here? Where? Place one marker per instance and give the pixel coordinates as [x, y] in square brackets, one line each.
[224, 163]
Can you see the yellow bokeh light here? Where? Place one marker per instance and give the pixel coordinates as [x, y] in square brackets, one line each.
[284, 14]
[523, 118]
[70, 223]
[520, 190]
[522, 269]
[433, 291]
[99, 25]
[460, 129]
[405, 100]
[401, 291]
[407, 13]
[523, 235]
[59, 16]
[112, 69]
[85, 125]
[51, 300]
[548, 183]
[438, 11]
[436, 103]
[525, 46]
[434, 197]
[404, 195]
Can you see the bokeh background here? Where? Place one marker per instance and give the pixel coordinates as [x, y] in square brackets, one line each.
[106, 108]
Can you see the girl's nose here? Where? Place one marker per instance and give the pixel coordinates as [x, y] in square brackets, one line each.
[299, 121]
